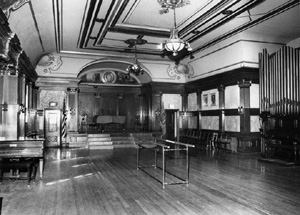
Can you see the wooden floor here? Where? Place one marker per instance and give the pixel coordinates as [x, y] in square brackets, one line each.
[107, 182]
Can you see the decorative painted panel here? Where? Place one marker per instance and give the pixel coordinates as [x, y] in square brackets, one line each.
[210, 122]
[172, 101]
[49, 63]
[192, 102]
[254, 124]
[232, 97]
[254, 96]
[47, 96]
[232, 123]
[192, 122]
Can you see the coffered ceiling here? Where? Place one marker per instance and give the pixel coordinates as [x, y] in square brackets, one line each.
[101, 27]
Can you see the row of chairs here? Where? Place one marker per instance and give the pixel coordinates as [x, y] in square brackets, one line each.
[206, 139]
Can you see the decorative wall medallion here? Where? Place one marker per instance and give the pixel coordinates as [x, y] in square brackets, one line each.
[109, 77]
[11, 5]
[179, 71]
[4, 46]
[50, 62]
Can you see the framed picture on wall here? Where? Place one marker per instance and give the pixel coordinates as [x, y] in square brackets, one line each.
[213, 99]
[205, 100]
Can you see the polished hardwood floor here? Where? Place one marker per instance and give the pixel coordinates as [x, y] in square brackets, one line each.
[82, 181]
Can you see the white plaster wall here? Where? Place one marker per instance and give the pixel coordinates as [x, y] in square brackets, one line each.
[232, 97]
[172, 101]
[70, 67]
[254, 96]
[232, 123]
[159, 71]
[294, 43]
[192, 102]
[254, 124]
[218, 61]
[73, 64]
[238, 51]
[210, 122]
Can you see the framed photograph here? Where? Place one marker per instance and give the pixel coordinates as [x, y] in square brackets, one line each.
[213, 99]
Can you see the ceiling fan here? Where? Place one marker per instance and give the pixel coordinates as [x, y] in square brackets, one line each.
[138, 41]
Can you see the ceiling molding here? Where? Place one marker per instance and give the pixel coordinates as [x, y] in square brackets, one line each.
[282, 8]
[11, 6]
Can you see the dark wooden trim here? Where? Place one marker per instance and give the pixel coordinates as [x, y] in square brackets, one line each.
[97, 41]
[248, 25]
[226, 79]
[110, 49]
[164, 87]
[195, 24]
[238, 11]
[138, 31]
[231, 112]
[254, 111]
[210, 112]
[85, 31]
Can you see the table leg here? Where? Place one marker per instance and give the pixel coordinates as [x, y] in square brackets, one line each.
[41, 167]
[163, 168]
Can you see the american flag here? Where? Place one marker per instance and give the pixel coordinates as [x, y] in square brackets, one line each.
[64, 123]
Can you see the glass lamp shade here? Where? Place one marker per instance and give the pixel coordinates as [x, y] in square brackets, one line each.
[135, 69]
[175, 44]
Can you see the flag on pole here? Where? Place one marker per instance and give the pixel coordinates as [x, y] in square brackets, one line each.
[64, 123]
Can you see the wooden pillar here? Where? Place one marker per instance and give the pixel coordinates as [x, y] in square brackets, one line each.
[72, 107]
[22, 107]
[221, 90]
[9, 104]
[156, 107]
[199, 106]
[184, 98]
[244, 108]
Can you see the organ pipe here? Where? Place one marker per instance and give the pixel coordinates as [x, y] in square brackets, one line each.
[280, 81]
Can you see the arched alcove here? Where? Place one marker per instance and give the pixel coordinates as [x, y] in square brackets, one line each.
[112, 71]
[107, 90]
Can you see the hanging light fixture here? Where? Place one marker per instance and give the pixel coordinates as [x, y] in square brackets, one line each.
[174, 43]
[135, 68]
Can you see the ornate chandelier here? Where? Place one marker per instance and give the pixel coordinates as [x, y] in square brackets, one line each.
[135, 68]
[174, 43]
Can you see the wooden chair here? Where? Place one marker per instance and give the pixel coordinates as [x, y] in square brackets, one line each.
[223, 141]
[212, 143]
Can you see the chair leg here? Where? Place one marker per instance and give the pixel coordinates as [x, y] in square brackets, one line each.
[35, 166]
[1, 175]
[29, 171]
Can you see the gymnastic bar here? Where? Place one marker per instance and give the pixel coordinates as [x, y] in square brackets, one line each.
[165, 148]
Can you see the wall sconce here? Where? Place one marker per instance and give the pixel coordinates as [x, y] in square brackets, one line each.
[241, 110]
[4, 107]
[21, 108]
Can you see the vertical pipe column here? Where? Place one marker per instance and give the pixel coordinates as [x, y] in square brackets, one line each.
[277, 83]
[271, 80]
[163, 167]
[265, 69]
[260, 63]
[297, 81]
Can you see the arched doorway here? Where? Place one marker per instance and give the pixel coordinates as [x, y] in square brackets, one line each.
[110, 99]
